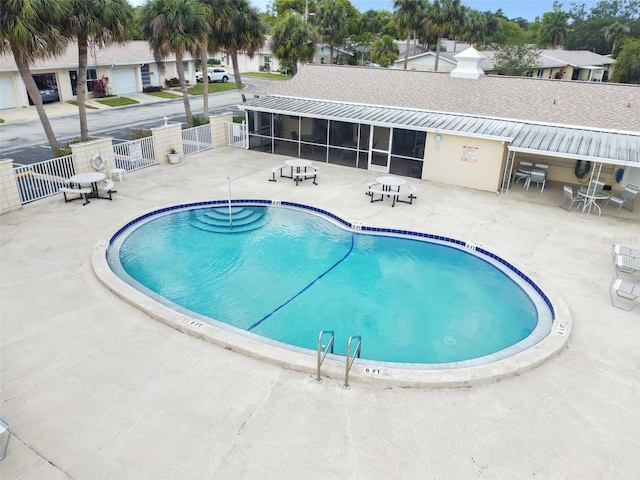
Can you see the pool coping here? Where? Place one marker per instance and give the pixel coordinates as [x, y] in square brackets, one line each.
[334, 367]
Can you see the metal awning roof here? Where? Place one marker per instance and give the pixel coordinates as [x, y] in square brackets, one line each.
[606, 146]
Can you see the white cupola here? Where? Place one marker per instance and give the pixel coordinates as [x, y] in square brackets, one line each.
[468, 64]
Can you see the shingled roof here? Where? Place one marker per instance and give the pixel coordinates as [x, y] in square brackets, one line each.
[570, 103]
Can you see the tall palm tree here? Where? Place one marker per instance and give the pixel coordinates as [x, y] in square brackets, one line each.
[479, 27]
[247, 33]
[175, 26]
[28, 30]
[331, 22]
[445, 18]
[102, 23]
[615, 32]
[218, 16]
[293, 40]
[408, 15]
[555, 24]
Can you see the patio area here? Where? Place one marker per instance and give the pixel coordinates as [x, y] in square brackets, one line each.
[94, 388]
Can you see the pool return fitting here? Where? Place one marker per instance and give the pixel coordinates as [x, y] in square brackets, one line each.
[349, 359]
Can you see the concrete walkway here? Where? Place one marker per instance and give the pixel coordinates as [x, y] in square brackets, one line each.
[95, 389]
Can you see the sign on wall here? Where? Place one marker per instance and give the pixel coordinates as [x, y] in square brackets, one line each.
[469, 154]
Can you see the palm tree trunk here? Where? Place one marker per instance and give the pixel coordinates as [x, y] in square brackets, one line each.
[34, 93]
[438, 44]
[330, 54]
[81, 86]
[406, 50]
[204, 59]
[183, 86]
[236, 69]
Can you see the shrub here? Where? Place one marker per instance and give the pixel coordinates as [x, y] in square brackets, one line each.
[152, 88]
[101, 87]
[172, 82]
[198, 120]
[137, 133]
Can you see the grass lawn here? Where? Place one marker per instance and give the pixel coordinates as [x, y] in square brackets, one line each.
[165, 94]
[213, 88]
[270, 76]
[117, 101]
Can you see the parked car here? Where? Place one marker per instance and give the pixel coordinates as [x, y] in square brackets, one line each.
[47, 94]
[215, 74]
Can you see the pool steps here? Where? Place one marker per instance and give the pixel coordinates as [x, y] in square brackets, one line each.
[243, 219]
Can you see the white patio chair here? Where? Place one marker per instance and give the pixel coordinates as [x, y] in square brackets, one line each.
[522, 171]
[538, 177]
[571, 198]
[627, 251]
[628, 292]
[626, 196]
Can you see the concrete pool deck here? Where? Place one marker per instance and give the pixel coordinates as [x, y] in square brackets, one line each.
[94, 388]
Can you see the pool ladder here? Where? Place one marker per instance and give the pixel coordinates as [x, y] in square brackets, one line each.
[349, 359]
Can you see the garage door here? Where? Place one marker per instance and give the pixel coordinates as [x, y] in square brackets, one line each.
[123, 81]
[7, 99]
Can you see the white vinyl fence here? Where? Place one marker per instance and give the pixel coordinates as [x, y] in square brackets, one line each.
[237, 135]
[135, 154]
[43, 179]
[196, 139]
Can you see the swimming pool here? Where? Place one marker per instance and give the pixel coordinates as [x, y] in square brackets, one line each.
[299, 286]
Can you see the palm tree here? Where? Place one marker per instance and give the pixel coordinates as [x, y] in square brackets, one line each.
[445, 18]
[102, 23]
[220, 20]
[479, 27]
[555, 24]
[28, 30]
[384, 51]
[293, 40]
[331, 21]
[175, 26]
[615, 32]
[408, 14]
[247, 33]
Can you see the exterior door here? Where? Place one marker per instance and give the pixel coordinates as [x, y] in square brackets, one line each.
[379, 149]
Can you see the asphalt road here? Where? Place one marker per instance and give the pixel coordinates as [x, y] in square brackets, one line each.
[25, 142]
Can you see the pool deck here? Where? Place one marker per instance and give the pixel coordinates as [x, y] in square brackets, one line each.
[95, 388]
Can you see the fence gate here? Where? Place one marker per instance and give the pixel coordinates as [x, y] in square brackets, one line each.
[237, 135]
[196, 139]
[135, 154]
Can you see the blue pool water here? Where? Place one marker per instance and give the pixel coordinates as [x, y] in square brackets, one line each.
[286, 274]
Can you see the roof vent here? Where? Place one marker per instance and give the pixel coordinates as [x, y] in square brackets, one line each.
[468, 64]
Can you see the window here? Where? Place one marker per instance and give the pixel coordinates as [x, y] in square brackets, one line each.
[92, 74]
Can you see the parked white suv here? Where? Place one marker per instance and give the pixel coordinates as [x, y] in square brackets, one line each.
[215, 74]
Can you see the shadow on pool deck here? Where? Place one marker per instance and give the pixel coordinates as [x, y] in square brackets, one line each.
[94, 387]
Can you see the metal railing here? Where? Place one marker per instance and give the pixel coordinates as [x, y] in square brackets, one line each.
[135, 154]
[196, 139]
[349, 360]
[237, 135]
[322, 351]
[43, 179]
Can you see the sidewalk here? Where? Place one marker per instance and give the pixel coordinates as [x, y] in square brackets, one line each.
[57, 109]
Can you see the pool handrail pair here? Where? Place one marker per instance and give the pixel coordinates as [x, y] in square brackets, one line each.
[324, 349]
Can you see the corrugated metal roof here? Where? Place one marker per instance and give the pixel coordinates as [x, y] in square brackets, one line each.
[620, 148]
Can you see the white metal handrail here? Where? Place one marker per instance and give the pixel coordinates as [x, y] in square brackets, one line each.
[323, 350]
[349, 360]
